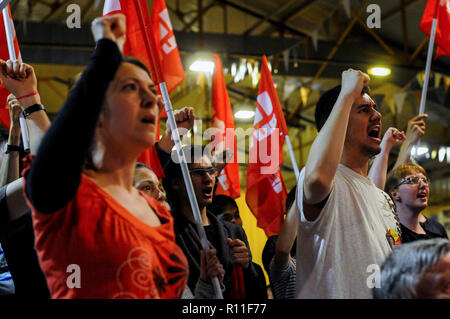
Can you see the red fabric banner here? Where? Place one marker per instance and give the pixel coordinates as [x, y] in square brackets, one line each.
[439, 9]
[266, 192]
[228, 181]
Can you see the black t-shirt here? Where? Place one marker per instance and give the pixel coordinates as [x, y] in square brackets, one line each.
[432, 228]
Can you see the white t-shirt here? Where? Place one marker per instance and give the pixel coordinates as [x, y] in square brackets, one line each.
[334, 252]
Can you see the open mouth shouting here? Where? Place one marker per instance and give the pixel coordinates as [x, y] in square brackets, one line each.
[374, 133]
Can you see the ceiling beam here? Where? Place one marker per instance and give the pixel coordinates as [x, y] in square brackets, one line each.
[267, 17]
[255, 14]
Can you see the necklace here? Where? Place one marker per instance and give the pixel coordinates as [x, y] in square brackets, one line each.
[394, 211]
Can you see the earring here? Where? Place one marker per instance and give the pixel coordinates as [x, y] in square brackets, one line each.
[98, 154]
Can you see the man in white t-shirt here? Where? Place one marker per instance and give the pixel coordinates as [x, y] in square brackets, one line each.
[347, 226]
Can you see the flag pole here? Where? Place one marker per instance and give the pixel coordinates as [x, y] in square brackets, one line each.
[12, 56]
[181, 158]
[292, 156]
[423, 98]
[428, 67]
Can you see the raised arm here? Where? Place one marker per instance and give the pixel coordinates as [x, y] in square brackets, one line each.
[185, 121]
[56, 171]
[378, 170]
[416, 129]
[9, 170]
[286, 238]
[327, 149]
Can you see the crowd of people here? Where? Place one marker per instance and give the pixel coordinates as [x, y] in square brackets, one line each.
[86, 220]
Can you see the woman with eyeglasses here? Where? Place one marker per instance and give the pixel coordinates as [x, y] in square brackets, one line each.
[409, 187]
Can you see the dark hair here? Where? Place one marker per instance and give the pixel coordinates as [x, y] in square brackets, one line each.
[89, 163]
[142, 165]
[136, 62]
[172, 171]
[219, 202]
[326, 103]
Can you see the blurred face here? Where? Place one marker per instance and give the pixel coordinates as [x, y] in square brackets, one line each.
[231, 214]
[413, 192]
[364, 127]
[436, 282]
[131, 109]
[147, 182]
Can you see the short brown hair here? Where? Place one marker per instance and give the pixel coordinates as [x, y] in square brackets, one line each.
[397, 174]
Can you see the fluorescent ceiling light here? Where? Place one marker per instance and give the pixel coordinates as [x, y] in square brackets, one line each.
[380, 71]
[244, 114]
[202, 66]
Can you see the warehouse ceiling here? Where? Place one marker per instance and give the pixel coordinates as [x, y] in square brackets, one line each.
[308, 43]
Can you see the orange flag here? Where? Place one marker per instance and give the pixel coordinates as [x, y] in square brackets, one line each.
[228, 180]
[266, 192]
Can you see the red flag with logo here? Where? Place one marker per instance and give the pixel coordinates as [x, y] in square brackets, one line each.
[266, 192]
[228, 180]
[141, 30]
[169, 57]
[439, 9]
[4, 55]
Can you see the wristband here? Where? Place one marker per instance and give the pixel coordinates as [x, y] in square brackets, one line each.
[28, 95]
[7, 148]
[31, 109]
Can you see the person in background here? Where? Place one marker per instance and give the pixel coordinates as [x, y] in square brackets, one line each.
[407, 183]
[147, 182]
[417, 270]
[16, 225]
[279, 254]
[241, 279]
[226, 209]
[409, 187]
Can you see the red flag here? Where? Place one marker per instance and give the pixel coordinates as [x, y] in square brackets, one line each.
[228, 180]
[142, 34]
[169, 57]
[266, 192]
[4, 55]
[439, 9]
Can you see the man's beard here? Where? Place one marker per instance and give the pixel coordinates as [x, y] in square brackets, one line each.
[371, 151]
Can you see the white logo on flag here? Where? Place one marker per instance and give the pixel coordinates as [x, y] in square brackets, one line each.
[276, 183]
[164, 29]
[223, 180]
[111, 5]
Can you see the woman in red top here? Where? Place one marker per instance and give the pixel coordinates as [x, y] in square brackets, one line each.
[96, 235]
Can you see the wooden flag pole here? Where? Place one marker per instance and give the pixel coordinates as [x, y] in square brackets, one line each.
[179, 151]
[13, 56]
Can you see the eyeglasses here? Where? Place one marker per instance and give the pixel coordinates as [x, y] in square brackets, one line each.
[200, 172]
[414, 180]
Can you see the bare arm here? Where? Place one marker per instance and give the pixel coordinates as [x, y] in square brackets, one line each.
[378, 171]
[286, 238]
[9, 171]
[327, 149]
[416, 129]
